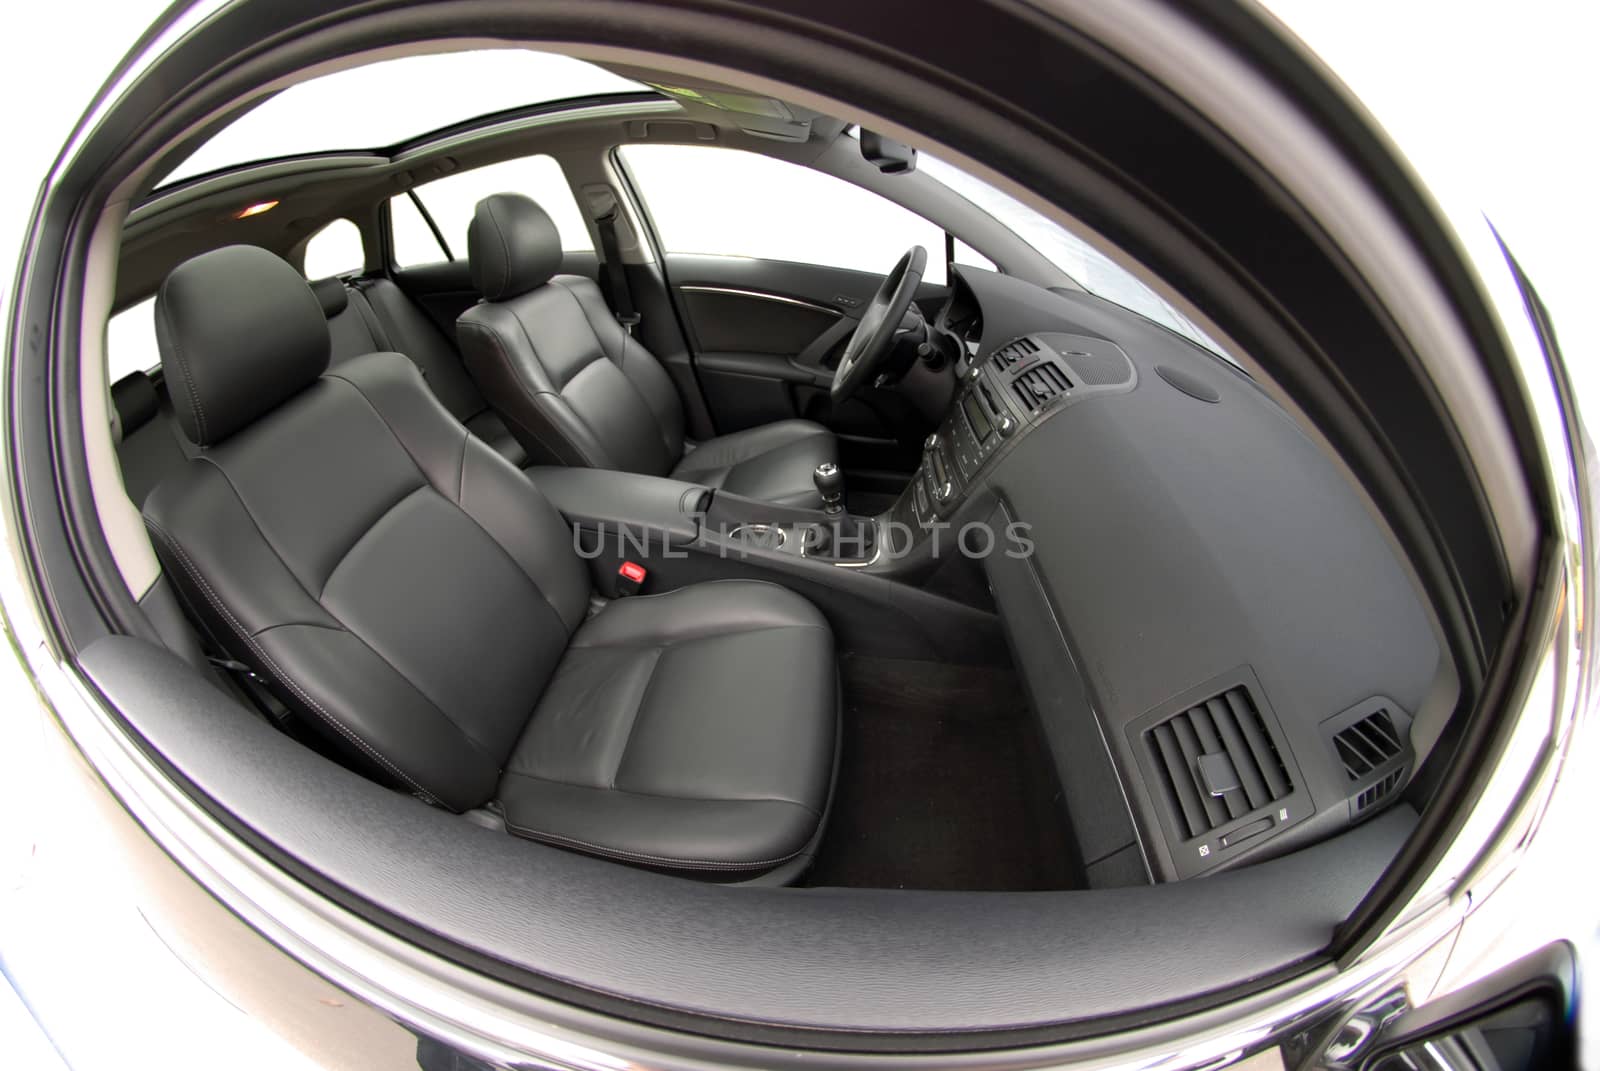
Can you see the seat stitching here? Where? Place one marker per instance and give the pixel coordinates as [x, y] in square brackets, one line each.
[505, 251]
[457, 502]
[379, 519]
[643, 857]
[621, 359]
[554, 451]
[665, 796]
[503, 353]
[317, 599]
[633, 723]
[719, 580]
[533, 391]
[695, 638]
[183, 366]
[277, 671]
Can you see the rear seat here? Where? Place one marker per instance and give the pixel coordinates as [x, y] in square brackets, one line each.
[363, 317]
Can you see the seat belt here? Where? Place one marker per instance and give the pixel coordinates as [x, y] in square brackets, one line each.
[369, 315]
[605, 221]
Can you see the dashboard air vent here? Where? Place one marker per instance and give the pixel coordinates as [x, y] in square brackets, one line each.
[1367, 745]
[1013, 352]
[1216, 762]
[1036, 386]
[1373, 794]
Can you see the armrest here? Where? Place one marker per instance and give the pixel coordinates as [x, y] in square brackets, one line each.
[592, 498]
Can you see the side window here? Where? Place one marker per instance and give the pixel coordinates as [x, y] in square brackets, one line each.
[131, 340]
[335, 250]
[732, 203]
[450, 201]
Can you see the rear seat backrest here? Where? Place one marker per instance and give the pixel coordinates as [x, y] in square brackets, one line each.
[151, 445]
[348, 332]
[370, 316]
[395, 323]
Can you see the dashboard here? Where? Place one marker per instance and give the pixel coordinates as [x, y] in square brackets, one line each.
[1227, 654]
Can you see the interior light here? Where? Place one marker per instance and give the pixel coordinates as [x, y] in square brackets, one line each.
[255, 209]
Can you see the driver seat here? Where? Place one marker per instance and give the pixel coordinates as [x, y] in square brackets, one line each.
[576, 389]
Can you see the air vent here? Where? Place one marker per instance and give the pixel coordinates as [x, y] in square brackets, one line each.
[1372, 743]
[1367, 745]
[1036, 386]
[1216, 762]
[1014, 352]
[1370, 797]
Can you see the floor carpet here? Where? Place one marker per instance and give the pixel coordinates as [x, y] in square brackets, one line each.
[944, 783]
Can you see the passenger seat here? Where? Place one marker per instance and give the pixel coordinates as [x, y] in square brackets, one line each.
[411, 594]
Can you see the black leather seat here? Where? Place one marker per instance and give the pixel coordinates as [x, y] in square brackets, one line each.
[374, 314]
[362, 318]
[411, 593]
[577, 389]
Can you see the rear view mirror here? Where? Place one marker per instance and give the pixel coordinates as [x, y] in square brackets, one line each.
[1521, 1018]
[890, 157]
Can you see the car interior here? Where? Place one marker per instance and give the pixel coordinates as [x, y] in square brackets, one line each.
[958, 572]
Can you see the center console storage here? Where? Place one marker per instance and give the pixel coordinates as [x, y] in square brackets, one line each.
[683, 533]
[745, 524]
[606, 504]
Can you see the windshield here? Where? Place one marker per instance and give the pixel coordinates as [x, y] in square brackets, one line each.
[419, 94]
[1080, 261]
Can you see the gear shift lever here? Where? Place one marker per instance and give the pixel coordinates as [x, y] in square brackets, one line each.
[830, 485]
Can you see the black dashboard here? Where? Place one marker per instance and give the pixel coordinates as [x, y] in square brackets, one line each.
[1227, 655]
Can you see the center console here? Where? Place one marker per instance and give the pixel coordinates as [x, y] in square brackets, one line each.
[1004, 395]
[648, 534]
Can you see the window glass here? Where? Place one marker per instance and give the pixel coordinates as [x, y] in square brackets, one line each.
[131, 340]
[400, 99]
[1086, 265]
[335, 250]
[451, 200]
[969, 256]
[733, 203]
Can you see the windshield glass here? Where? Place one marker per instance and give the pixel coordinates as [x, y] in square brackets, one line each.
[419, 94]
[1084, 264]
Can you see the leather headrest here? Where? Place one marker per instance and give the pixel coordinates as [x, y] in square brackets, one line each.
[512, 246]
[331, 294]
[240, 334]
[135, 399]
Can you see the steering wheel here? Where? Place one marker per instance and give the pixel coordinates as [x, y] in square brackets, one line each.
[870, 342]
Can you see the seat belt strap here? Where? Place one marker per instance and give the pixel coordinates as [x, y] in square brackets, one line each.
[616, 273]
[369, 315]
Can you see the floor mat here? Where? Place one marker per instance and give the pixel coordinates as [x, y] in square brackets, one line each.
[944, 783]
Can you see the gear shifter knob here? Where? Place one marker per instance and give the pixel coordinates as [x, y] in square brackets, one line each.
[830, 485]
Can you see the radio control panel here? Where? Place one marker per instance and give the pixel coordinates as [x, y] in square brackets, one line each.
[1001, 394]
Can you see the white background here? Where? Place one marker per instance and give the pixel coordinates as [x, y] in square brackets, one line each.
[1498, 99]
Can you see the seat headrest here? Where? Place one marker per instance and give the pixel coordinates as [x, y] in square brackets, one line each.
[512, 246]
[240, 333]
[135, 399]
[331, 294]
